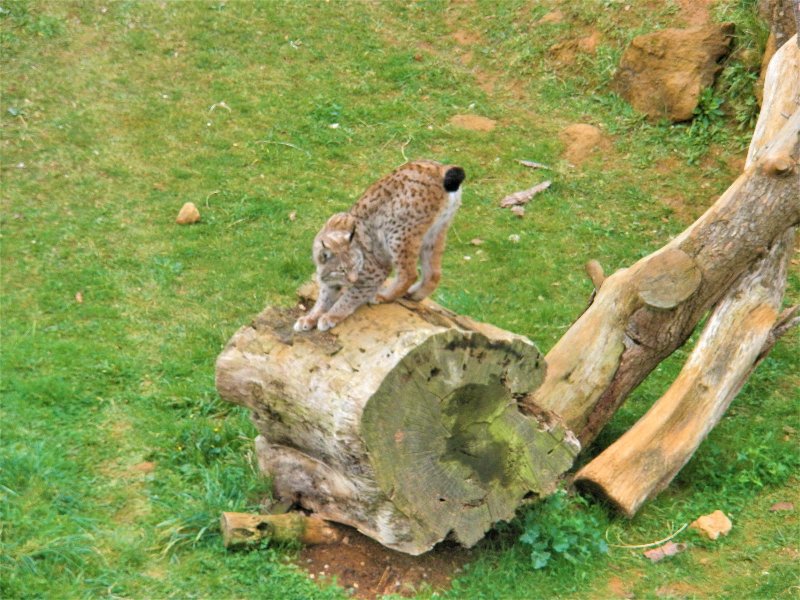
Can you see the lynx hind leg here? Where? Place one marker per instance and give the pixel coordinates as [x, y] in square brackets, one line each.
[432, 249]
[405, 265]
[431, 263]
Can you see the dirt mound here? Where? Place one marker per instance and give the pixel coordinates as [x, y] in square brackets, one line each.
[473, 122]
[368, 570]
[663, 73]
[581, 141]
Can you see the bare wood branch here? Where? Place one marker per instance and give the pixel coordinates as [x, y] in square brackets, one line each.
[244, 529]
[627, 331]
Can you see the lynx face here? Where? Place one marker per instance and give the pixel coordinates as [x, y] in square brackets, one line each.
[338, 260]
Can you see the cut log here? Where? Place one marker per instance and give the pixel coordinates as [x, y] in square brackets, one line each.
[742, 329]
[403, 422]
[241, 530]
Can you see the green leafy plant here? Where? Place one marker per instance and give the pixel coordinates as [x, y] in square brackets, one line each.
[562, 526]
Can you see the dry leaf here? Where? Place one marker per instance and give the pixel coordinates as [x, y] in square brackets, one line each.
[668, 549]
[713, 525]
[524, 196]
[293, 215]
[188, 214]
[518, 211]
[532, 165]
[476, 241]
[781, 506]
[79, 297]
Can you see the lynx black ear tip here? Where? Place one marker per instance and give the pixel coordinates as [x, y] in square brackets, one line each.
[453, 178]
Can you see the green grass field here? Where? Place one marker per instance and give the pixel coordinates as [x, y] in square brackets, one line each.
[117, 454]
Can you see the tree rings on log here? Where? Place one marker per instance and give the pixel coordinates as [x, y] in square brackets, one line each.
[403, 421]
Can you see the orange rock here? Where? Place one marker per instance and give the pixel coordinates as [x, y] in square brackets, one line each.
[713, 525]
[188, 214]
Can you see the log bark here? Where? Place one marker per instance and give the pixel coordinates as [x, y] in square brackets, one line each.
[402, 422]
[641, 314]
[739, 333]
[242, 530]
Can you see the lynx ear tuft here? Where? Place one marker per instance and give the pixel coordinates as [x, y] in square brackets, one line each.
[453, 178]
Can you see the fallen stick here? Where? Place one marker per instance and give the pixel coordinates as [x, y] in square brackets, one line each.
[244, 529]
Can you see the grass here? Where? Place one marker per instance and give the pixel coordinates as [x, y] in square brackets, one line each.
[117, 454]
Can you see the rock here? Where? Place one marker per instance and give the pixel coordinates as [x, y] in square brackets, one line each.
[188, 214]
[663, 73]
[473, 122]
[713, 525]
[581, 140]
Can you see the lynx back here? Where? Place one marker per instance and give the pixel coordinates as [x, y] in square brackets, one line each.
[401, 220]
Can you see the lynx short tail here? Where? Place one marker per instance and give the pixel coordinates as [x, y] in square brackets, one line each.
[453, 178]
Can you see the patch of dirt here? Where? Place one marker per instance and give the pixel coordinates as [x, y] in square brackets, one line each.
[565, 53]
[679, 589]
[466, 38]
[695, 12]
[473, 122]
[617, 588]
[368, 570]
[581, 141]
[552, 17]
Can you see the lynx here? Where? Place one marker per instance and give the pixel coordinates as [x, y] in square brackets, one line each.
[401, 219]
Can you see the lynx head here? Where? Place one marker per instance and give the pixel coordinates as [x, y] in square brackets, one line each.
[337, 258]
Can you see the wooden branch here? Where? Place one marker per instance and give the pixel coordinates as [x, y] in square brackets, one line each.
[741, 331]
[647, 457]
[241, 530]
[643, 313]
[402, 422]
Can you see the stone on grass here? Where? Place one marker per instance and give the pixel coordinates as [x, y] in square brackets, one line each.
[188, 214]
[663, 73]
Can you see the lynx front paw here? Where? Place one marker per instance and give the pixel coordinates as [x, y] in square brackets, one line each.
[306, 323]
[327, 322]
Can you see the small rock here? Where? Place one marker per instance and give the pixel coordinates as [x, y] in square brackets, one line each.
[713, 525]
[188, 214]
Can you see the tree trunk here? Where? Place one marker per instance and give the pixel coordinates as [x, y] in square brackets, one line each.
[641, 314]
[739, 333]
[402, 422]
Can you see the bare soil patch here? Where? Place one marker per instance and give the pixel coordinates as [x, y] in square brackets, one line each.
[368, 570]
[581, 141]
[473, 122]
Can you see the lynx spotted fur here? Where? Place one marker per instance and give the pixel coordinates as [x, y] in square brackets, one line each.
[401, 219]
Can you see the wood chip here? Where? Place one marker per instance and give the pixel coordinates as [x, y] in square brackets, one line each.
[532, 165]
[524, 196]
[662, 552]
